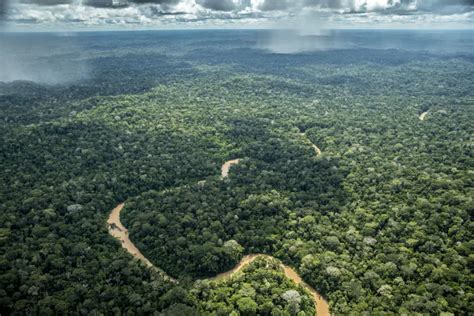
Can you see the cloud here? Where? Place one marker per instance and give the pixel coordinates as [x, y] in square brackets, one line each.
[218, 5]
[274, 5]
[158, 13]
[3, 8]
[163, 2]
[47, 2]
[357, 6]
[41, 60]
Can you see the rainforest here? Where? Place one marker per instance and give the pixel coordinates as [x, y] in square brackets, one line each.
[206, 173]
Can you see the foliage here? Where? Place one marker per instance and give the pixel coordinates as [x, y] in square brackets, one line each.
[379, 223]
[260, 289]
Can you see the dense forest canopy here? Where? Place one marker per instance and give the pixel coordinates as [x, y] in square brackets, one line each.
[379, 222]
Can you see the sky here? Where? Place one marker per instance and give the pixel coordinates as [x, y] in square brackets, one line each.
[39, 15]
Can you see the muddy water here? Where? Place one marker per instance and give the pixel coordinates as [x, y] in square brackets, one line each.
[322, 306]
[226, 166]
[119, 231]
[242, 263]
[316, 148]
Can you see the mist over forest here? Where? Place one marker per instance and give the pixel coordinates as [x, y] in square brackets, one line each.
[64, 58]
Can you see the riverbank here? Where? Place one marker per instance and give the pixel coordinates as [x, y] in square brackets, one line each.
[322, 306]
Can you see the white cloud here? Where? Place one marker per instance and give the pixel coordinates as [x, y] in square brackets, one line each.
[251, 13]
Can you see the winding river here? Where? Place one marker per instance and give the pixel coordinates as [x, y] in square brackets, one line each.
[322, 306]
[226, 167]
[316, 148]
[120, 232]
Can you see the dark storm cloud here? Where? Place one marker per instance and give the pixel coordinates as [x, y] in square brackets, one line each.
[156, 12]
[3, 9]
[275, 5]
[218, 5]
[106, 3]
[163, 3]
[156, 1]
[46, 2]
